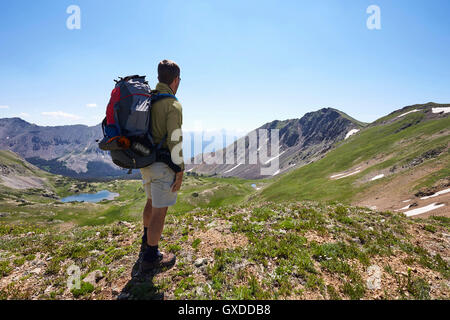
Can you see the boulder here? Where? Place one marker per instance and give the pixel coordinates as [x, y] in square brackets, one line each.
[94, 277]
[200, 261]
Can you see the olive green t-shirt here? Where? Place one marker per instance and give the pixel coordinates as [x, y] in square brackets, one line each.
[166, 118]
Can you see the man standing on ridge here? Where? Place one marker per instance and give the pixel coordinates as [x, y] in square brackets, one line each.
[162, 179]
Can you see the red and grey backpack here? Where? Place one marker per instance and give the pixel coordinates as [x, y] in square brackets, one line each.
[127, 127]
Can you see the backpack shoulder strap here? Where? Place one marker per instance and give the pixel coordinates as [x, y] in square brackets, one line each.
[159, 96]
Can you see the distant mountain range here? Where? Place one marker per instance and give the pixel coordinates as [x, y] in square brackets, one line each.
[301, 141]
[72, 150]
[66, 150]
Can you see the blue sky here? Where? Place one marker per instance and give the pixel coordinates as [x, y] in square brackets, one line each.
[243, 63]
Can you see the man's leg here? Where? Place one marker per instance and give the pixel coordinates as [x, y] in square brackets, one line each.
[146, 217]
[156, 226]
[152, 257]
[163, 197]
[147, 213]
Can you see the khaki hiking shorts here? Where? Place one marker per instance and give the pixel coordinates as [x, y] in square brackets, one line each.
[158, 179]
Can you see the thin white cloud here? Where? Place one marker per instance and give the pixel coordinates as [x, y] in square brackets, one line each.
[24, 114]
[4, 107]
[60, 114]
[91, 105]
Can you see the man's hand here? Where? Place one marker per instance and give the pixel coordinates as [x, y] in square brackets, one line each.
[177, 183]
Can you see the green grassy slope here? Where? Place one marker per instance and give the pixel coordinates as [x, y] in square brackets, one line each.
[29, 205]
[11, 159]
[13, 166]
[249, 248]
[398, 142]
[256, 250]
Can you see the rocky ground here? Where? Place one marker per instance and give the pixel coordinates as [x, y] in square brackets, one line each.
[292, 250]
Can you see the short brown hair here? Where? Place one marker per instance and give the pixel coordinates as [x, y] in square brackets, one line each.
[168, 71]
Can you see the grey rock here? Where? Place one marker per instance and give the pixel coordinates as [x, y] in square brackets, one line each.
[36, 271]
[126, 224]
[200, 261]
[94, 277]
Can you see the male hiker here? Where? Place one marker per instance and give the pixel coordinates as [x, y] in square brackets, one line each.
[163, 178]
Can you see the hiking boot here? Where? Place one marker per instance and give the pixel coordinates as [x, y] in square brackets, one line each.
[144, 247]
[144, 244]
[164, 260]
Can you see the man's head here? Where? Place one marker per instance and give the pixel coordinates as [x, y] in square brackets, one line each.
[169, 73]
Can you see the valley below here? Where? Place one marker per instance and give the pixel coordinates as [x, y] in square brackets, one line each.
[244, 248]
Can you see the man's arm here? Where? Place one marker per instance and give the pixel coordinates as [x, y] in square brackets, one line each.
[174, 122]
[176, 185]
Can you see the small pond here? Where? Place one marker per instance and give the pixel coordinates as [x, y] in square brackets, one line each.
[91, 197]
